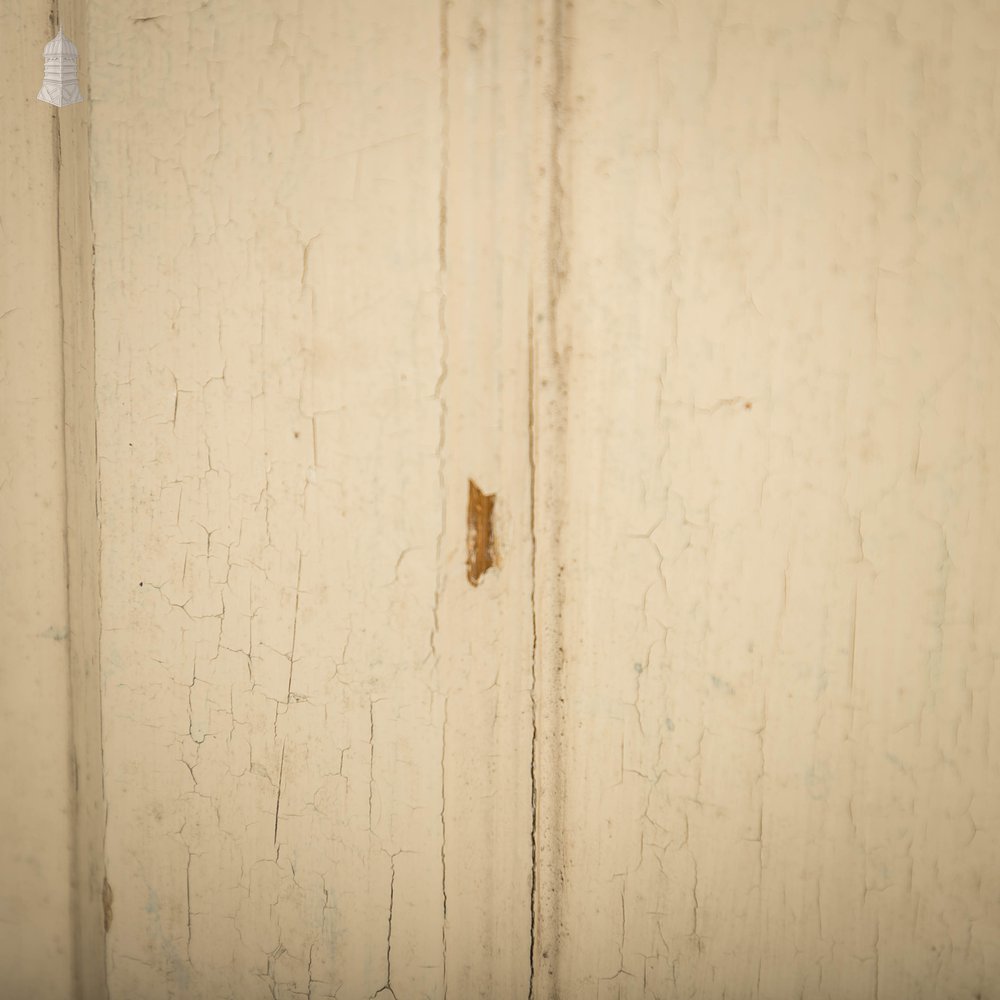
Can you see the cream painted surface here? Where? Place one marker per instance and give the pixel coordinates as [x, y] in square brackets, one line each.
[310, 288]
[36, 939]
[704, 293]
[781, 627]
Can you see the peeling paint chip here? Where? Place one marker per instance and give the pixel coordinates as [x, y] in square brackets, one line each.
[107, 898]
[482, 554]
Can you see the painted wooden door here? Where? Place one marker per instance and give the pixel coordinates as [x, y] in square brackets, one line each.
[543, 498]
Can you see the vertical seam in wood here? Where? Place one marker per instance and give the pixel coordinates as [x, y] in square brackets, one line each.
[547, 427]
[74, 843]
[534, 645]
[443, 416]
[90, 893]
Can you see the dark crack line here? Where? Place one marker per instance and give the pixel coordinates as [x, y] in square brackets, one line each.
[442, 479]
[277, 801]
[533, 489]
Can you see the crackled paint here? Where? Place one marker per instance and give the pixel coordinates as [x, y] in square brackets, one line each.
[701, 296]
[317, 735]
[780, 352]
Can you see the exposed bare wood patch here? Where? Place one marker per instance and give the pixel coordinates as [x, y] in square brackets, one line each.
[107, 899]
[482, 549]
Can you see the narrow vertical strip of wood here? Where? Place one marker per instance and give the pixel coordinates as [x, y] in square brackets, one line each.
[548, 374]
[36, 946]
[92, 910]
[484, 609]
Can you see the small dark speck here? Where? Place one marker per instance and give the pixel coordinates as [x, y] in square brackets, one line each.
[140, 583]
[296, 433]
[748, 406]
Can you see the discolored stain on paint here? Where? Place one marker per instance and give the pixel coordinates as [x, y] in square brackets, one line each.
[107, 899]
[481, 543]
